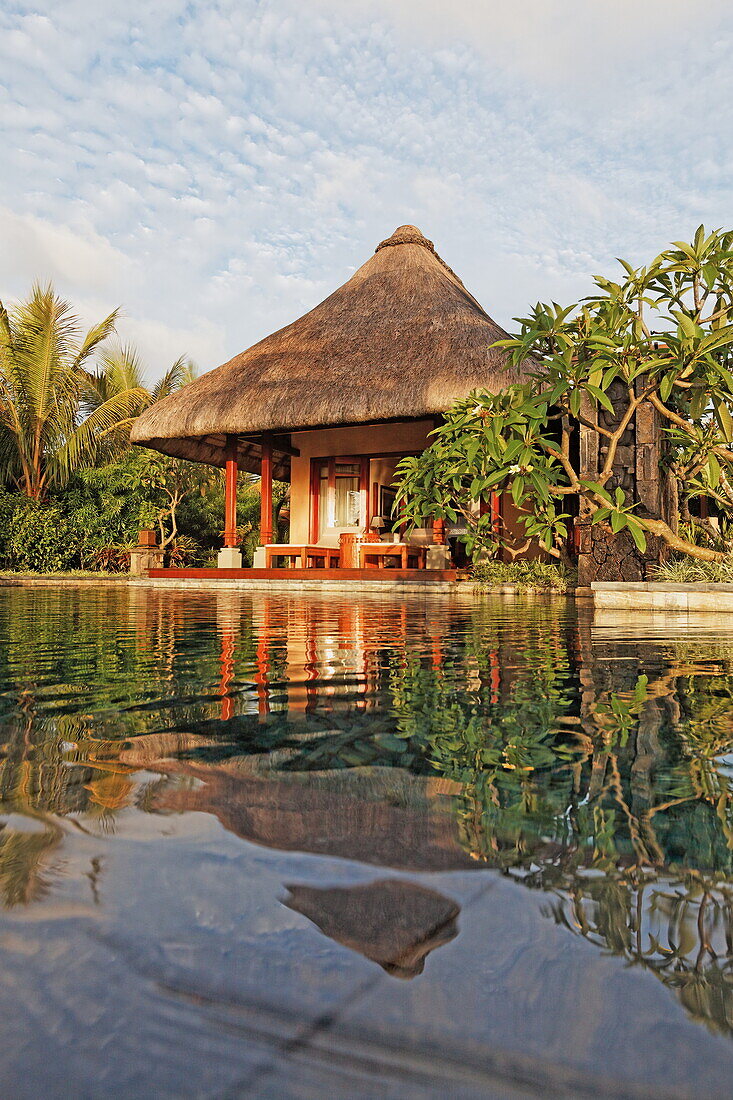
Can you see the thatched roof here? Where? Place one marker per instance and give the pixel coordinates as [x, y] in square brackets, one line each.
[393, 922]
[403, 338]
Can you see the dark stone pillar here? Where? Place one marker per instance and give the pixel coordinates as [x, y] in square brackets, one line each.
[603, 556]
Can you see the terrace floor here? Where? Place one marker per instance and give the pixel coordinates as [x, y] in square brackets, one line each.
[423, 576]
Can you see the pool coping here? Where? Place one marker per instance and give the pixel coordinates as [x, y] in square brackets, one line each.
[614, 595]
[662, 596]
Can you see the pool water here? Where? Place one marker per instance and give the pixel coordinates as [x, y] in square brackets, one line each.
[260, 845]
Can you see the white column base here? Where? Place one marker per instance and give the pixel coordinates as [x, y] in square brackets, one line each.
[259, 562]
[229, 557]
[437, 557]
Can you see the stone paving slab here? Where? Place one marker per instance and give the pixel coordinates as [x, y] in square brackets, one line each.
[653, 596]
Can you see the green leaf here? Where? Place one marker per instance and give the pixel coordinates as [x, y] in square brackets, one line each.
[710, 274]
[698, 404]
[688, 251]
[609, 376]
[713, 470]
[724, 419]
[600, 396]
[598, 489]
[637, 533]
[688, 326]
[665, 386]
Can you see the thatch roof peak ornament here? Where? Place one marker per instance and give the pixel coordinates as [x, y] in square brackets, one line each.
[406, 234]
[401, 339]
[410, 234]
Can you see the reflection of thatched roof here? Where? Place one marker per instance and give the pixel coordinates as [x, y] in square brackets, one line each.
[402, 338]
[394, 923]
[380, 816]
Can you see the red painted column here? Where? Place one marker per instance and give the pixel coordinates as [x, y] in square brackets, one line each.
[230, 493]
[266, 494]
[496, 513]
[439, 531]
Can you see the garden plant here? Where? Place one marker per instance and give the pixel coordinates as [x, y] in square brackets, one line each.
[660, 337]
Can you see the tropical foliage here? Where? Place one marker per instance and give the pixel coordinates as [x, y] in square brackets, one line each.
[67, 398]
[688, 571]
[73, 494]
[94, 520]
[525, 575]
[659, 338]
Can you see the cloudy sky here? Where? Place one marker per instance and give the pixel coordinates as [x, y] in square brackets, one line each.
[218, 167]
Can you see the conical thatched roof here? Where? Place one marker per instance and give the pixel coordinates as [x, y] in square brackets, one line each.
[402, 338]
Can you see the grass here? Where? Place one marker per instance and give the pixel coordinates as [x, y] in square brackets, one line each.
[525, 575]
[19, 574]
[691, 571]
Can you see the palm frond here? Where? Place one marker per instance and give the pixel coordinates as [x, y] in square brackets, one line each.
[6, 332]
[58, 411]
[11, 469]
[84, 443]
[120, 369]
[180, 374]
[45, 333]
[96, 335]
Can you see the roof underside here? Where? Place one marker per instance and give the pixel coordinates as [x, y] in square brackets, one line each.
[402, 339]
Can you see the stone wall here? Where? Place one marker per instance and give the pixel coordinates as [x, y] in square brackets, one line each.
[604, 556]
[636, 469]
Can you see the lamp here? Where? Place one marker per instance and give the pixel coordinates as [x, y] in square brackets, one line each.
[378, 524]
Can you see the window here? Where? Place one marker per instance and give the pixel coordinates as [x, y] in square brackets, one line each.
[338, 496]
[347, 497]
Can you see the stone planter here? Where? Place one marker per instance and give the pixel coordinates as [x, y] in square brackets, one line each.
[659, 596]
[145, 558]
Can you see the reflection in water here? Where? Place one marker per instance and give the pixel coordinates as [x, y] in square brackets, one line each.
[396, 924]
[26, 862]
[419, 735]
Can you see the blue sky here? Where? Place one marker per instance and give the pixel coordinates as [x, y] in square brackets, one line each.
[218, 168]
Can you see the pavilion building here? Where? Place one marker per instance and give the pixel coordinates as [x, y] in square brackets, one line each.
[333, 401]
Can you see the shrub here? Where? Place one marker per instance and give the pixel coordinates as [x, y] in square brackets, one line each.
[525, 575]
[8, 505]
[40, 540]
[92, 523]
[689, 571]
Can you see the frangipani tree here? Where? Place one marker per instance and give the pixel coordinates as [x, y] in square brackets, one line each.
[67, 399]
[662, 336]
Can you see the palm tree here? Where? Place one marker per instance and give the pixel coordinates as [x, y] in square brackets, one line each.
[56, 414]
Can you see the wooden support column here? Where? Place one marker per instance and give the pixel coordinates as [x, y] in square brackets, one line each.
[439, 531]
[266, 494]
[364, 501]
[230, 493]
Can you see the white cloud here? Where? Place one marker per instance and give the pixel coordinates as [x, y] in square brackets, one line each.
[78, 258]
[219, 168]
[557, 41]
